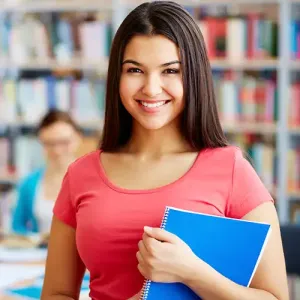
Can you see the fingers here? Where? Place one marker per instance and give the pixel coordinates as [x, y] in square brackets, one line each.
[142, 253]
[161, 235]
[151, 244]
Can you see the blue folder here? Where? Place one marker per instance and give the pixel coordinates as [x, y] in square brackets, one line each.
[232, 247]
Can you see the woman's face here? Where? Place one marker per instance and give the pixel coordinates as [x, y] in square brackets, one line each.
[151, 86]
[60, 141]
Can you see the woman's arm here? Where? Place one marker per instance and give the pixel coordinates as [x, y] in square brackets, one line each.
[20, 216]
[269, 282]
[163, 262]
[64, 268]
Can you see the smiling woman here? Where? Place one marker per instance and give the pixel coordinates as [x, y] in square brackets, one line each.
[162, 145]
[169, 43]
[151, 87]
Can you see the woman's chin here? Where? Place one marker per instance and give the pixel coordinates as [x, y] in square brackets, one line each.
[60, 163]
[153, 125]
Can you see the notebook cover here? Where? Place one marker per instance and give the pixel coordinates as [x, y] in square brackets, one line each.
[232, 247]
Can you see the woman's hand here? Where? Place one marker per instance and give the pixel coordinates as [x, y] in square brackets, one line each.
[164, 257]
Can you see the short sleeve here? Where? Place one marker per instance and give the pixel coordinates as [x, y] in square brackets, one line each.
[64, 208]
[248, 191]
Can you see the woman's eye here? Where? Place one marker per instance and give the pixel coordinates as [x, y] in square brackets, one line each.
[171, 71]
[134, 70]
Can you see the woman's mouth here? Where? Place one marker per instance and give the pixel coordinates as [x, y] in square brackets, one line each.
[152, 106]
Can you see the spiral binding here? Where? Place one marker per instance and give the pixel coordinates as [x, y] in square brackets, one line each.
[145, 290]
[165, 218]
[147, 283]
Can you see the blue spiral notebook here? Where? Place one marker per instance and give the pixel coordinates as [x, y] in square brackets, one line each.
[232, 247]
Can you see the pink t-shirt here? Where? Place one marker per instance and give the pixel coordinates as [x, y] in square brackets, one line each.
[109, 220]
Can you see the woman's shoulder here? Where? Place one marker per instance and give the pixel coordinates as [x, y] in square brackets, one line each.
[85, 162]
[227, 154]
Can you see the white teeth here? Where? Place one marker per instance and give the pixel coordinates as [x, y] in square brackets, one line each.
[156, 104]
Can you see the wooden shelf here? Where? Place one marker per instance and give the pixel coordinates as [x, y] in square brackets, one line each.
[74, 64]
[94, 125]
[197, 3]
[92, 5]
[240, 127]
[54, 5]
[295, 64]
[270, 64]
[294, 130]
[294, 194]
[234, 127]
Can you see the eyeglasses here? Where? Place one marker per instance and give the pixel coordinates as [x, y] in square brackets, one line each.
[56, 143]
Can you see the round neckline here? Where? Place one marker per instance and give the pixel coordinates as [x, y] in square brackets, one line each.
[119, 189]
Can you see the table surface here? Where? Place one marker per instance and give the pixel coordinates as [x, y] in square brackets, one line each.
[3, 296]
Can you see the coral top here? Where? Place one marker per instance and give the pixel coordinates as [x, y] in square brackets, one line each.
[109, 220]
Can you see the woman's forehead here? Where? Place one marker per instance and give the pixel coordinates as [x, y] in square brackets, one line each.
[149, 50]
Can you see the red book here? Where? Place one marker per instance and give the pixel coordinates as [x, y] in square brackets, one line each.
[211, 36]
[252, 34]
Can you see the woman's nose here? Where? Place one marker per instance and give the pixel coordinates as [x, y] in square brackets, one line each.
[152, 86]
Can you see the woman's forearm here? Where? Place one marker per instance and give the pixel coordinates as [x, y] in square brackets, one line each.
[57, 297]
[215, 286]
[60, 298]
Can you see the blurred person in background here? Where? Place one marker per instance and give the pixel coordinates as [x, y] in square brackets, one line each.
[60, 138]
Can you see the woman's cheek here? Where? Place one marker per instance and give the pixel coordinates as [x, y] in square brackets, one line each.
[174, 87]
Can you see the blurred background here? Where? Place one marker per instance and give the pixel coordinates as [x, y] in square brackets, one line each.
[53, 56]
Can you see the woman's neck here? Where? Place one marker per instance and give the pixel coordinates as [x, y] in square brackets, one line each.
[56, 170]
[153, 143]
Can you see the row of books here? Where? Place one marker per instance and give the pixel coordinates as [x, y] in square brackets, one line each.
[27, 154]
[4, 157]
[62, 37]
[250, 99]
[294, 107]
[295, 39]
[263, 159]
[293, 164]
[29, 99]
[65, 36]
[252, 36]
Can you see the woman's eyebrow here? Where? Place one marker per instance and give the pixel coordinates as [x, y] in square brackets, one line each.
[130, 61]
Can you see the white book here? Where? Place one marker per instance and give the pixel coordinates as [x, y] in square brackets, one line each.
[25, 99]
[63, 95]
[236, 39]
[229, 96]
[10, 101]
[40, 100]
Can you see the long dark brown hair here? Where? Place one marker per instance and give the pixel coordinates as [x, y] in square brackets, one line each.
[200, 121]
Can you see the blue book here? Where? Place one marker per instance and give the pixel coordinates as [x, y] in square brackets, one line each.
[232, 247]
